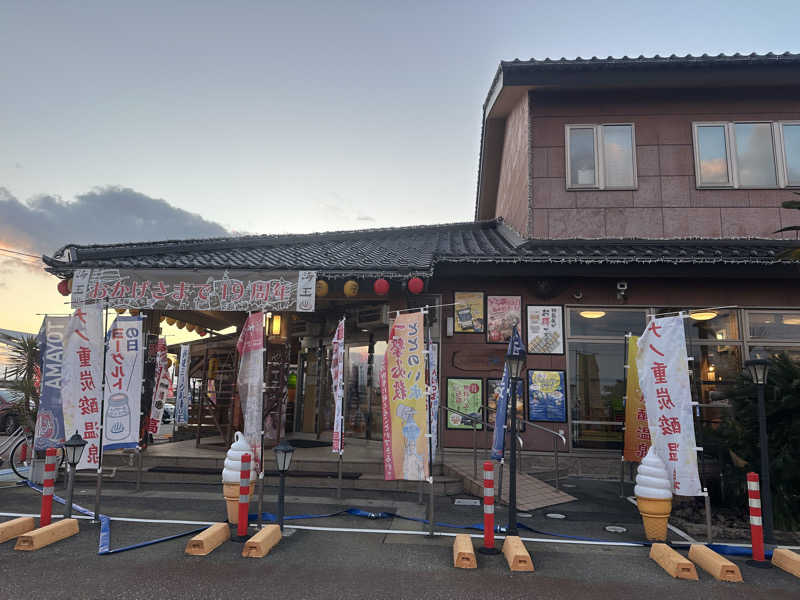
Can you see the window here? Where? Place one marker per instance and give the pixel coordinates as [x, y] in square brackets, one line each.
[747, 155]
[601, 157]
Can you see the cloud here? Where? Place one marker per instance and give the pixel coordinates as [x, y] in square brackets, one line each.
[104, 215]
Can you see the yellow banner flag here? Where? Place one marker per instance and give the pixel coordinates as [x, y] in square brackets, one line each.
[637, 433]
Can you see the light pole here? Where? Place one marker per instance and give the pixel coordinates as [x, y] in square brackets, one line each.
[515, 361]
[74, 449]
[758, 369]
[283, 456]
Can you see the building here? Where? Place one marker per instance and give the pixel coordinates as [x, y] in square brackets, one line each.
[608, 190]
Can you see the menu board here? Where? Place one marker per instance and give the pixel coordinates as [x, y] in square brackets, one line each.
[493, 395]
[545, 330]
[503, 313]
[469, 312]
[466, 396]
[547, 395]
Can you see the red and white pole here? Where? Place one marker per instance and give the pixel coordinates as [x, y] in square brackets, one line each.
[756, 528]
[488, 509]
[48, 486]
[244, 495]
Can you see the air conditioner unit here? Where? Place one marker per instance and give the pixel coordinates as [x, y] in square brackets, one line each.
[304, 329]
[372, 316]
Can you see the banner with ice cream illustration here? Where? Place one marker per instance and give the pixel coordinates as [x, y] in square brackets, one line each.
[123, 391]
[663, 374]
[404, 401]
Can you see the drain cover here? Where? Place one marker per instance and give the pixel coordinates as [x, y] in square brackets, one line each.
[467, 502]
[524, 515]
[568, 485]
[615, 529]
[555, 516]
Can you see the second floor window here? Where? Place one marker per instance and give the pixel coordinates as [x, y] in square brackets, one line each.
[747, 154]
[601, 157]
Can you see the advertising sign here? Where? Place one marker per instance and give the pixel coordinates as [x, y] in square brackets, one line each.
[503, 314]
[160, 387]
[182, 396]
[547, 394]
[407, 401]
[663, 372]
[337, 384]
[469, 312]
[494, 387]
[515, 348]
[433, 378]
[50, 418]
[637, 433]
[123, 397]
[175, 289]
[466, 396]
[545, 330]
[250, 380]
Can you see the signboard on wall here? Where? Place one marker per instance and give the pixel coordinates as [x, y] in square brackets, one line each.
[176, 289]
[465, 396]
[469, 312]
[503, 313]
[545, 330]
[547, 394]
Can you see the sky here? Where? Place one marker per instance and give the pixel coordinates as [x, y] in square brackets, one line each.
[153, 120]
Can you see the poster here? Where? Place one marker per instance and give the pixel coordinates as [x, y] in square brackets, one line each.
[503, 313]
[493, 389]
[545, 330]
[406, 453]
[50, 418]
[547, 394]
[637, 433]
[469, 312]
[663, 371]
[433, 379]
[466, 396]
[183, 289]
[82, 380]
[182, 397]
[337, 385]
[123, 391]
[250, 380]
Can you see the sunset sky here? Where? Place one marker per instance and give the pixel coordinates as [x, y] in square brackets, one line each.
[152, 120]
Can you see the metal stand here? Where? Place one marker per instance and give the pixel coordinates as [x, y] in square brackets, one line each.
[70, 485]
[512, 482]
[339, 477]
[281, 494]
[707, 501]
[766, 490]
[99, 483]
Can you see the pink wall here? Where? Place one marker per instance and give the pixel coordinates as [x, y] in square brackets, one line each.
[512, 189]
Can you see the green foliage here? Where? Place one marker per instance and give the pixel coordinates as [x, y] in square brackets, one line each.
[740, 434]
[23, 354]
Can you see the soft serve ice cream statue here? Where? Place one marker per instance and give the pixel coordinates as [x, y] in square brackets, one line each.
[654, 495]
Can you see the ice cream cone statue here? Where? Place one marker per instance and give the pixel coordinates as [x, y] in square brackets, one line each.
[231, 475]
[654, 495]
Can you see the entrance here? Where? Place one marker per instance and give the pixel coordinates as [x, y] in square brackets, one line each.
[362, 399]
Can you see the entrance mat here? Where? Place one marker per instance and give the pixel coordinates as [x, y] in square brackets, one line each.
[301, 443]
[210, 471]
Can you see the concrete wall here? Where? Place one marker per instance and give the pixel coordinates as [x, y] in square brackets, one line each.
[667, 203]
[512, 189]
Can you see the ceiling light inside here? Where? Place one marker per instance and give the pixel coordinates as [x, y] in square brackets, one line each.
[592, 314]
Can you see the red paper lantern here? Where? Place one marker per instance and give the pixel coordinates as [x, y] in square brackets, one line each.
[63, 287]
[415, 285]
[381, 287]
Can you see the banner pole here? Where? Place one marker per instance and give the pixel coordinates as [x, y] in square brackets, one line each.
[98, 484]
[430, 425]
[264, 342]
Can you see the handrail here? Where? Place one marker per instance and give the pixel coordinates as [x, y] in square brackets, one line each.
[465, 415]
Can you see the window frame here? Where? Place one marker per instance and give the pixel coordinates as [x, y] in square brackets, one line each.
[728, 127]
[599, 157]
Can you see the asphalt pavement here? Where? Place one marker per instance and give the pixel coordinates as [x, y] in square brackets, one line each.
[350, 564]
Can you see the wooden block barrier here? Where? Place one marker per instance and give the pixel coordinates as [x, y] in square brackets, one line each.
[672, 562]
[206, 541]
[718, 566]
[262, 542]
[16, 527]
[787, 560]
[464, 552]
[516, 554]
[49, 534]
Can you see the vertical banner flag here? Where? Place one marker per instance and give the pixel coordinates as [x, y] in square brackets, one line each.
[337, 372]
[50, 418]
[407, 442]
[160, 387]
[182, 395]
[82, 380]
[498, 445]
[663, 373]
[637, 433]
[123, 391]
[250, 380]
[433, 377]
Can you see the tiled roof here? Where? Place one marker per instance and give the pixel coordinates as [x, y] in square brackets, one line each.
[405, 251]
[672, 61]
[388, 252]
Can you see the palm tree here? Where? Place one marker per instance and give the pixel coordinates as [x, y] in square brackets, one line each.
[23, 355]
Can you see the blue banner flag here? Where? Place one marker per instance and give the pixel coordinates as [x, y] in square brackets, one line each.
[515, 348]
[50, 418]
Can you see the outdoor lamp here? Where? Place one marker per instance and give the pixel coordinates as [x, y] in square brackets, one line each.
[515, 362]
[283, 456]
[276, 327]
[73, 448]
[758, 368]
